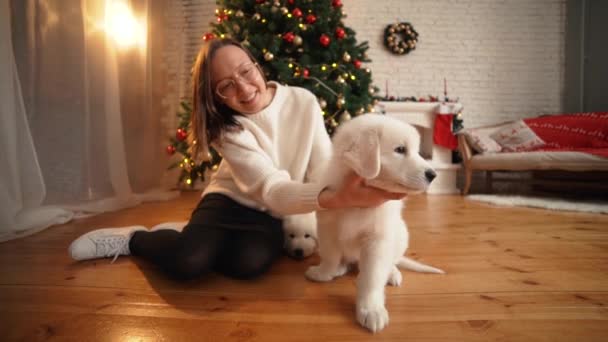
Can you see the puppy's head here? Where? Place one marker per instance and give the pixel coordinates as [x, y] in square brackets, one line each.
[300, 235]
[384, 151]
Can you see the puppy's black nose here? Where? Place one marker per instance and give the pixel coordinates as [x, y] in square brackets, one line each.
[298, 253]
[430, 175]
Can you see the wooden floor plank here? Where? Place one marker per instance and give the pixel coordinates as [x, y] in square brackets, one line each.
[514, 274]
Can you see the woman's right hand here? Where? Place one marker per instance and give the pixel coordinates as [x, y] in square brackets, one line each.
[354, 193]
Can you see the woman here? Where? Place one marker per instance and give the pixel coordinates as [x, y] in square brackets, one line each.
[273, 143]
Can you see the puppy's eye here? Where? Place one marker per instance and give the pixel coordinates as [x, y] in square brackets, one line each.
[401, 149]
[307, 236]
[292, 236]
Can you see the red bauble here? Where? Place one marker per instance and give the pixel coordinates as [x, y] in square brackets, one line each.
[208, 36]
[170, 150]
[259, 1]
[291, 2]
[357, 63]
[289, 37]
[336, 3]
[340, 33]
[311, 19]
[296, 12]
[305, 73]
[181, 134]
[324, 40]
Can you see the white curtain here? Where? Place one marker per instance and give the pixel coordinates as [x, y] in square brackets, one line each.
[81, 126]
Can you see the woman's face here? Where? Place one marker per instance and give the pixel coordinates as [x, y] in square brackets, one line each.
[237, 81]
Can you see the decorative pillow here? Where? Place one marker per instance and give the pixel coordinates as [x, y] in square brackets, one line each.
[517, 137]
[480, 141]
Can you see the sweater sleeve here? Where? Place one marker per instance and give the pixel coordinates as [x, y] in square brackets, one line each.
[255, 175]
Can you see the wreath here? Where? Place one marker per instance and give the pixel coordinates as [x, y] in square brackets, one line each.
[400, 38]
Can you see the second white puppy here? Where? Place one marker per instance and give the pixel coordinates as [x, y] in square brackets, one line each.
[300, 233]
[384, 151]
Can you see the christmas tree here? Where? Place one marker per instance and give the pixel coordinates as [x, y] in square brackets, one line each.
[297, 42]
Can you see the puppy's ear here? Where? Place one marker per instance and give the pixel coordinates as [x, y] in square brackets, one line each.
[363, 154]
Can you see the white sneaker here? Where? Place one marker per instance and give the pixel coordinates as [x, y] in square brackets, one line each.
[103, 243]
[177, 226]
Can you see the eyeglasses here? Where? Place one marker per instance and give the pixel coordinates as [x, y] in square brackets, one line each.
[227, 87]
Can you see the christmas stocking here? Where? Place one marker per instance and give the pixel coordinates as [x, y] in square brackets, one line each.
[442, 132]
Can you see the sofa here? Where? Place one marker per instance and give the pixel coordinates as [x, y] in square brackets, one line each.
[569, 142]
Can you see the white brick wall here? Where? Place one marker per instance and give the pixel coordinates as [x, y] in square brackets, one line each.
[503, 58]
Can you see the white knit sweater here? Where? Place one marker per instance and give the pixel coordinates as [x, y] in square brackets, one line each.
[271, 165]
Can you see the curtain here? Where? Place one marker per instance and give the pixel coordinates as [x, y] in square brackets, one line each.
[81, 118]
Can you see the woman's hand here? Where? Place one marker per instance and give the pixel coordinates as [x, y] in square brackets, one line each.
[355, 194]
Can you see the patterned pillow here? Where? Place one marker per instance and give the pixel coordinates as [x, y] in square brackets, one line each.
[517, 137]
[480, 141]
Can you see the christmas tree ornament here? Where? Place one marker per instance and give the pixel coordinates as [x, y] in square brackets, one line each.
[284, 10]
[345, 116]
[170, 150]
[311, 19]
[370, 108]
[291, 2]
[297, 40]
[257, 16]
[340, 33]
[303, 27]
[336, 3]
[289, 37]
[322, 103]
[346, 57]
[360, 111]
[333, 123]
[340, 80]
[324, 40]
[236, 28]
[274, 9]
[371, 90]
[208, 36]
[181, 134]
[357, 63]
[268, 56]
[239, 14]
[340, 102]
[297, 12]
[305, 73]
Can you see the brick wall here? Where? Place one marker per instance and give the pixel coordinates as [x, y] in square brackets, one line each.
[503, 58]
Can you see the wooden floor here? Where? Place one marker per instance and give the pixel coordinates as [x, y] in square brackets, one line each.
[514, 274]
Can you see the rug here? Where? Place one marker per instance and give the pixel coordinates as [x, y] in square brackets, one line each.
[543, 202]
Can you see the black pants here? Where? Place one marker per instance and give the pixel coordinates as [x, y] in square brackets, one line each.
[221, 236]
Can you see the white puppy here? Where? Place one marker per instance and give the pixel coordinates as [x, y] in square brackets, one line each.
[300, 235]
[384, 151]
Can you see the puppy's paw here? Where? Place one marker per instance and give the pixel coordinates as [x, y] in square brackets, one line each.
[395, 278]
[372, 316]
[342, 270]
[315, 273]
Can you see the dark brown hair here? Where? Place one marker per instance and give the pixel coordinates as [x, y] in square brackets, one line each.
[210, 116]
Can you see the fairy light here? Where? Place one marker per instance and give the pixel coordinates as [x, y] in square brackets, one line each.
[323, 68]
[334, 65]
